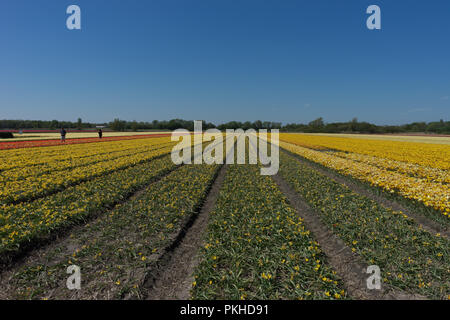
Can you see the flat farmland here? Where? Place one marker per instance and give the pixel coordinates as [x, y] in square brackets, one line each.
[140, 227]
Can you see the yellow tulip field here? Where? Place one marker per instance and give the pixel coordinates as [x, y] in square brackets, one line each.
[138, 226]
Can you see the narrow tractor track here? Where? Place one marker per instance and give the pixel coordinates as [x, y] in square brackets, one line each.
[172, 276]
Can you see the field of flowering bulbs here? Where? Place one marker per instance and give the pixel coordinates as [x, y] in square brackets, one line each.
[139, 226]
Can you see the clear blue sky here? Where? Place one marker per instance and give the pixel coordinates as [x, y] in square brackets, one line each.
[221, 60]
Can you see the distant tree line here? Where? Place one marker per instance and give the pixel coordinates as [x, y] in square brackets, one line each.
[45, 124]
[317, 125]
[354, 126]
[122, 125]
[258, 124]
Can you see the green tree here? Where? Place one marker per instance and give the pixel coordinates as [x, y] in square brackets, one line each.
[117, 125]
[317, 123]
[134, 126]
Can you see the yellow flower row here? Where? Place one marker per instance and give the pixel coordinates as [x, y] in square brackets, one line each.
[25, 157]
[425, 154]
[72, 162]
[257, 246]
[26, 221]
[38, 186]
[431, 194]
[430, 174]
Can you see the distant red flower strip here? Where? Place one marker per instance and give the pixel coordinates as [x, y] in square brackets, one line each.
[57, 142]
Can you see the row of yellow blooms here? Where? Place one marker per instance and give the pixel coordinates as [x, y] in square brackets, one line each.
[86, 190]
[69, 166]
[425, 154]
[366, 161]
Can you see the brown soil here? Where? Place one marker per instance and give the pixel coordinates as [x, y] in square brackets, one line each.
[349, 266]
[427, 224]
[173, 276]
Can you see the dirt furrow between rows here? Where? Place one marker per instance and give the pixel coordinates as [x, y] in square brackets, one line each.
[172, 276]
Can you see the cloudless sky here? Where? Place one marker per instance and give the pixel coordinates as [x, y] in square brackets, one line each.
[222, 60]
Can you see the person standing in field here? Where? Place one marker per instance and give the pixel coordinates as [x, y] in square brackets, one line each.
[63, 135]
[100, 133]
